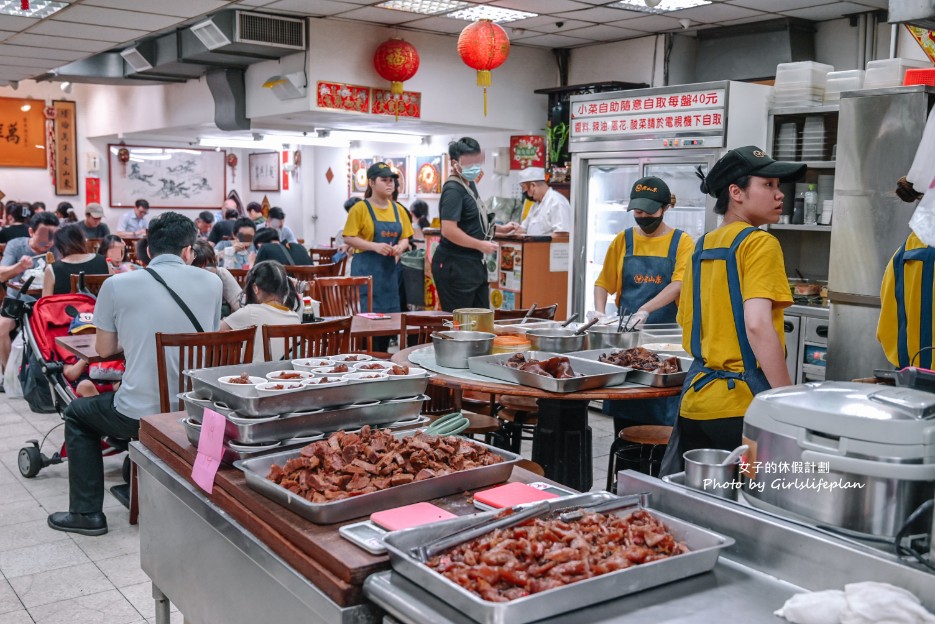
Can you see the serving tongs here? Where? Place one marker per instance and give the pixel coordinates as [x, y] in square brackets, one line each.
[507, 517]
[569, 320]
[640, 499]
[529, 314]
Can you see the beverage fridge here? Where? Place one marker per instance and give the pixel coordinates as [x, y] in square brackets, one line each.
[618, 137]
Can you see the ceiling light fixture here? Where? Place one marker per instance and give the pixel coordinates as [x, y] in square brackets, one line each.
[492, 13]
[271, 141]
[27, 106]
[658, 6]
[65, 87]
[38, 9]
[424, 7]
[456, 9]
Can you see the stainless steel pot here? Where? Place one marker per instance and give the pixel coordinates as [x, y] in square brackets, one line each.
[473, 319]
[704, 472]
[453, 348]
[557, 340]
[607, 337]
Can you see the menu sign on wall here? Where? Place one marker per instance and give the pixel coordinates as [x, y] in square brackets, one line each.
[673, 112]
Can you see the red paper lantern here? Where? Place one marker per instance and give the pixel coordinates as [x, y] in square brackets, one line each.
[397, 61]
[483, 46]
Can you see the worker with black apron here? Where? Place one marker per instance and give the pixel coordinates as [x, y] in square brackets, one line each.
[644, 266]
[732, 303]
[905, 328]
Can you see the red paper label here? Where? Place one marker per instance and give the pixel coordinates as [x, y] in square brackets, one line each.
[285, 180]
[92, 190]
[210, 450]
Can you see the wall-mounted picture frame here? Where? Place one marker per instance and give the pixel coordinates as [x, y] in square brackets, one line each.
[166, 177]
[264, 171]
[400, 166]
[431, 173]
[357, 175]
[66, 147]
[22, 133]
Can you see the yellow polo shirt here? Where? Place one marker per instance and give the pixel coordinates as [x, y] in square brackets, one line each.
[360, 224]
[762, 276]
[912, 295]
[612, 272]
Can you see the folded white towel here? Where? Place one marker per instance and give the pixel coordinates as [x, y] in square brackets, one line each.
[859, 603]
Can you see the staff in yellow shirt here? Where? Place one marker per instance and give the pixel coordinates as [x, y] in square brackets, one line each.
[737, 275]
[644, 265]
[905, 328]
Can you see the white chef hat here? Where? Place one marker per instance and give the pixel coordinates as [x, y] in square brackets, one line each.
[532, 174]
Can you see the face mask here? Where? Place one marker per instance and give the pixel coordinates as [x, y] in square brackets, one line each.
[470, 173]
[649, 224]
[274, 224]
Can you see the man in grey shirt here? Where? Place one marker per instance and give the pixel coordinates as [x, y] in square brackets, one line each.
[93, 226]
[130, 309]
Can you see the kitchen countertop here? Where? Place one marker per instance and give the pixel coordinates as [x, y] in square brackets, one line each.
[808, 310]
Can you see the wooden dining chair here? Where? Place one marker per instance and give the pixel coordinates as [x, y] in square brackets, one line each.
[309, 339]
[92, 282]
[240, 275]
[426, 322]
[322, 255]
[548, 313]
[342, 296]
[312, 272]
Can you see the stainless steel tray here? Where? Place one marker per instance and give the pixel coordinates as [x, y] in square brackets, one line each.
[704, 545]
[229, 455]
[642, 377]
[205, 385]
[303, 424]
[596, 374]
[256, 470]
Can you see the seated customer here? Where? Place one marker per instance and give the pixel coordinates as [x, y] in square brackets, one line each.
[242, 256]
[206, 259]
[268, 247]
[130, 309]
[71, 246]
[270, 299]
[115, 251]
[276, 220]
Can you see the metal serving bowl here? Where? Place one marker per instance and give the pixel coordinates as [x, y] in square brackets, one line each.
[557, 340]
[607, 337]
[453, 348]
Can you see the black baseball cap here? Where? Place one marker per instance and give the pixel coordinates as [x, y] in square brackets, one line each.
[649, 195]
[748, 160]
[380, 170]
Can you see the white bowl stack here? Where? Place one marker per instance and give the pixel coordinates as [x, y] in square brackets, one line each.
[800, 84]
[840, 81]
[813, 138]
[889, 72]
[786, 142]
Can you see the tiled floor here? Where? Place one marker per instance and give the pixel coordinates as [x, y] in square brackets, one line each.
[50, 577]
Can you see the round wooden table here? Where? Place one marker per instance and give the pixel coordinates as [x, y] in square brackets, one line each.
[562, 441]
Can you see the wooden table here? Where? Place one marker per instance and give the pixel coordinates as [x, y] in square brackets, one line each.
[363, 327]
[562, 441]
[83, 347]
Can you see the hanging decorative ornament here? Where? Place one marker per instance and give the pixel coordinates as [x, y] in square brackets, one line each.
[24, 5]
[123, 157]
[483, 46]
[396, 60]
[232, 163]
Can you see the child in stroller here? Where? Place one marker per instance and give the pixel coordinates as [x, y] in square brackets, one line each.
[68, 377]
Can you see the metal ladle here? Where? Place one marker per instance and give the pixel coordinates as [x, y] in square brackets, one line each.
[735, 455]
[570, 320]
[585, 327]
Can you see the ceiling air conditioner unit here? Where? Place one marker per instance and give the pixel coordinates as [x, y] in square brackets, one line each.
[135, 59]
[242, 32]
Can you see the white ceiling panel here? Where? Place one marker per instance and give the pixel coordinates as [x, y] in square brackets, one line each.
[826, 11]
[9, 22]
[381, 16]
[877, 4]
[555, 41]
[60, 43]
[650, 23]
[440, 24]
[311, 7]
[86, 31]
[255, 3]
[763, 17]
[774, 5]
[603, 32]
[43, 53]
[715, 13]
[600, 15]
[6, 33]
[178, 8]
[541, 6]
[552, 25]
[99, 16]
[37, 66]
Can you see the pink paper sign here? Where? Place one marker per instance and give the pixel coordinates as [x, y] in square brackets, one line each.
[210, 450]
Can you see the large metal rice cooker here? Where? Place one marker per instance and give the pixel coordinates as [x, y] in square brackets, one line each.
[855, 456]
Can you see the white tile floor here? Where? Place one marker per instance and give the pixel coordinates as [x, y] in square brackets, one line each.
[48, 577]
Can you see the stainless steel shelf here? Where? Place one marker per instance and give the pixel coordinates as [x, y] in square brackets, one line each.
[799, 228]
[804, 110]
[821, 164]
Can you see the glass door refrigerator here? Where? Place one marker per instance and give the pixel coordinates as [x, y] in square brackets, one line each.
[668, 132]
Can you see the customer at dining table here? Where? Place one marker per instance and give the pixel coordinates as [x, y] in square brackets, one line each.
[223, 229]
[269, 298]
[467, 229]
[93, 226]
[131, 308]
[204, 222]
[732, 302]
[244, 252]
[66, 213]
[205, 258]
[72, 248]
[133, 224]
[420, 214]
[117, 255]
[276, 219]
[16, 221]
[268, 247]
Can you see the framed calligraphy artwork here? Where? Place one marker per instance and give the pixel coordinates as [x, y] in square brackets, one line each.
[264, 171]
[167, 177]
[22, 133]
[66, 154]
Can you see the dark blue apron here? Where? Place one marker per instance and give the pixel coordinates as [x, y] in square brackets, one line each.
[383, 269]
[641, 279]
[925, 255]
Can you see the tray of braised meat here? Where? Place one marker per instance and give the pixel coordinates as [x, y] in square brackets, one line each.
[348, 475]
[542, 567]
[552, 372]
[648, 368]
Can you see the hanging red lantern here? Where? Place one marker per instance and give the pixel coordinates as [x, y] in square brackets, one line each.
[396, 60]
[483, 46]
[232, 163]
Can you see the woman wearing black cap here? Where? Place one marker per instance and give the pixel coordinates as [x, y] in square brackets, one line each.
[458, 263]
[644, 265]
[737, 279]
[379, 229]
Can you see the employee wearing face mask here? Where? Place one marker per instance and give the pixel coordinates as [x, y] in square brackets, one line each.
[644, 266]
[550, 211]
[458, 264]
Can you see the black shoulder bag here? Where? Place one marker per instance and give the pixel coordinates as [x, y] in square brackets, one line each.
[178, 300]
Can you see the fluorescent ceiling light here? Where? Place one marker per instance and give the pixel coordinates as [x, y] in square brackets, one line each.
[37, 8]
[424, 7]
[666, 6]
[492, 13]
[379, 137]
[272, 141]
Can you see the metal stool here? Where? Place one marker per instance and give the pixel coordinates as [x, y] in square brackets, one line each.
[637, 448]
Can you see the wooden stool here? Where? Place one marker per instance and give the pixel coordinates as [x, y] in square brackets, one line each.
[479, 402]
[518, 415]
[638, 448]
[531, 466]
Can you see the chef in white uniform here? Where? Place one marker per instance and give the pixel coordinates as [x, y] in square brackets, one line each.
[551, 212]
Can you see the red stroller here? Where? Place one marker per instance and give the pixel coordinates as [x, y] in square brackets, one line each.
[43, 321]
